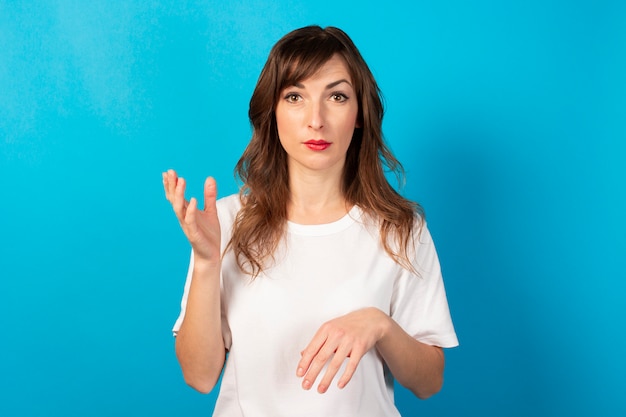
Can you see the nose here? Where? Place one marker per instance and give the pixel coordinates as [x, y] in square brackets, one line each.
[316, 116]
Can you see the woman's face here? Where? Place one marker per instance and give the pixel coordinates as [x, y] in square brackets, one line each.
[316, 118]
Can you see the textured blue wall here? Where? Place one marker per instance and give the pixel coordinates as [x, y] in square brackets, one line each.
[510, 118]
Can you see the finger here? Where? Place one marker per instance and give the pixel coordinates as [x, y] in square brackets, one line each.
[179, 199]
[190, 215]
[333, 367]
[210, 195]
[169, 183]
[324, 355]
[309, 352]
[166, 185]
[351, 366]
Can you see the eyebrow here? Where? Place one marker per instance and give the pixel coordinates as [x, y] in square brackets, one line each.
[329, 86]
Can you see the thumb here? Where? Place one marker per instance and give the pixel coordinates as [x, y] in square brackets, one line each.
[210, 195]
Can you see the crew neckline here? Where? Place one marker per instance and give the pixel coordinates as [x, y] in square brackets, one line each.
[327, 228]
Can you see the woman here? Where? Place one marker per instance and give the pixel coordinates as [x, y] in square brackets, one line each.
[317, 277]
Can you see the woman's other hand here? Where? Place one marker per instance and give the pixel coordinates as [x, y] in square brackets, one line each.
[346, 337]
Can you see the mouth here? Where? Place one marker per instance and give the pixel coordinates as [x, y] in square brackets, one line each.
[317, 145]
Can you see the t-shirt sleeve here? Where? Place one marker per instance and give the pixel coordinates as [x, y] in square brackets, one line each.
[183, 302]
[419, 303]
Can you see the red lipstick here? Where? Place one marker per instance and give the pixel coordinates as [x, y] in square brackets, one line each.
[317, 145]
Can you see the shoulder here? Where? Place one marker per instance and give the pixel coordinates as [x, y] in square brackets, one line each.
[228, 207]
[230, 203]
[423, 251]
[420, 230]
[412, 224]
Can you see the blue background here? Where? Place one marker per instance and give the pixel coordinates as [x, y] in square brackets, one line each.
[510, 118]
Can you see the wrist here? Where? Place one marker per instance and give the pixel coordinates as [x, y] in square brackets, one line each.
[385, 326]
[203, 265]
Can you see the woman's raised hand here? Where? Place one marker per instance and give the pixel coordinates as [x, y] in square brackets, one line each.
[201, 227]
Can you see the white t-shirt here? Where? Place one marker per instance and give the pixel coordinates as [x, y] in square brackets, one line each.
[321, 272]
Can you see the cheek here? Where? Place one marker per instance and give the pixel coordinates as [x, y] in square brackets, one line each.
[351, 123]
[285, 122]
[287, 136]
[353, 117]
[281, 127]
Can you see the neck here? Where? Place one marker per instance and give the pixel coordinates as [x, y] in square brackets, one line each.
[315, 198]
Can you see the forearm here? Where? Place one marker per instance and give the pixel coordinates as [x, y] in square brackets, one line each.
[199, 343]
[415, 365]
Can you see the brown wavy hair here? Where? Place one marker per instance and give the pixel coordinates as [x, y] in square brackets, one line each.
[260, 224]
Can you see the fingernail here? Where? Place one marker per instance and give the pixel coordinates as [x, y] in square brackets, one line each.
[306, 384]
[300, 372]
[322, 389]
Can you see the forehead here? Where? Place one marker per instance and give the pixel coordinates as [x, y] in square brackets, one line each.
[333, 68]
[301, 71]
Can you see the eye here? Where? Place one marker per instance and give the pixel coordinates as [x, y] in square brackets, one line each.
[293, 97]
[338, 97]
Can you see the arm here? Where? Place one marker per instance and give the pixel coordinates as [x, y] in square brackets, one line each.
[199, 342]
[415, 365]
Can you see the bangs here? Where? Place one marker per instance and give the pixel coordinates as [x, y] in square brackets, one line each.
[304, 57]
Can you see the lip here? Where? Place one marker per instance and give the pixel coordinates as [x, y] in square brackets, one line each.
[317, 145]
